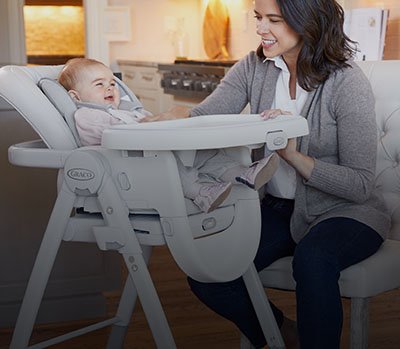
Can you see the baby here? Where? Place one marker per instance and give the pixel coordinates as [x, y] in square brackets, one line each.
[93, 88]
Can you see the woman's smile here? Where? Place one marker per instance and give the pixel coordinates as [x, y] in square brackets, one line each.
[267, 43]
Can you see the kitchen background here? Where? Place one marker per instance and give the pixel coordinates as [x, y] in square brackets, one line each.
[152, 28]
[133, 36]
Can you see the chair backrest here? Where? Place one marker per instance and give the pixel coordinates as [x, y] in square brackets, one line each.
[19, 87]
[385, 80]
[31, 92]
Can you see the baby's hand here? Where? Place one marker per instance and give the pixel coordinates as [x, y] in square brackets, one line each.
[180, 112]
[273, 113]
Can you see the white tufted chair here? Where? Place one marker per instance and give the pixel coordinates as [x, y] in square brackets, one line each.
[380, 272]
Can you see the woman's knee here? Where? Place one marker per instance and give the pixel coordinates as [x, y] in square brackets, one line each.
[314, 262]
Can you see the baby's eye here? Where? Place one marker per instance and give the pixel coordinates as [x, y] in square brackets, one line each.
[257, 17]
[113, 84]
[99, 84]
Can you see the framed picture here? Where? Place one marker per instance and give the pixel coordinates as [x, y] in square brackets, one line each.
[117, 23]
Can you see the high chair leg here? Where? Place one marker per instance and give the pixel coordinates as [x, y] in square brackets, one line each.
[41, 270]
[125, 308]
[116, 216]
[150, 302]
[117, 336]
[263, 309]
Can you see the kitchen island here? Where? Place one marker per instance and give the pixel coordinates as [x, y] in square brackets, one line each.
[27, 197]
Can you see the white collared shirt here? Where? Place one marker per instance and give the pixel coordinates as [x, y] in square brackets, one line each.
[283, 183]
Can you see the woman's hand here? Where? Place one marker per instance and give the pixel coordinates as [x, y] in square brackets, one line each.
[273, 113]
[290, 151]
[301, 163]
[178, 112]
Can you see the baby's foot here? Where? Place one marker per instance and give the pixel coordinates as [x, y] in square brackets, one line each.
[260, 172]
[211, 195]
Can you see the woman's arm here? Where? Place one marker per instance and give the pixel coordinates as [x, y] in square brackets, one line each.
[231, 96]
[178, 112]
[352, 176]
[300, 162]
[303, 164]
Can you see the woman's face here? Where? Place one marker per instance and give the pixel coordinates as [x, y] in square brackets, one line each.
[277, 38]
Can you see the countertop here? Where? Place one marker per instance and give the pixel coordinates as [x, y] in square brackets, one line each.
[139, 63]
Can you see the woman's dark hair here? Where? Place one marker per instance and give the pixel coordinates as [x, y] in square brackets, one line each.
[326, 47]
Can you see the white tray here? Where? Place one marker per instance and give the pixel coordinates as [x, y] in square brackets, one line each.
[206, 132]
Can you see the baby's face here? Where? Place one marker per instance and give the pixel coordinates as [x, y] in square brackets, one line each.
[97, 85]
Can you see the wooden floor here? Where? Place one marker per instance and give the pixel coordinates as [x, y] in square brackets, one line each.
[195, 327]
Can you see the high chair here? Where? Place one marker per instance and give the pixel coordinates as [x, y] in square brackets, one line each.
[126, 195]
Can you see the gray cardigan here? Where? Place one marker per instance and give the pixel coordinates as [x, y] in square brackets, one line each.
[342, 140]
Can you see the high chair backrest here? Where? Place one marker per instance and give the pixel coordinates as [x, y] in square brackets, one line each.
[23, 93]
[45, 104]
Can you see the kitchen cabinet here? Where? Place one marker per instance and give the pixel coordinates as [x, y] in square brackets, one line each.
[144, 80]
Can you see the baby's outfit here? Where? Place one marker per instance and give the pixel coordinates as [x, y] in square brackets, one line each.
[207, 183]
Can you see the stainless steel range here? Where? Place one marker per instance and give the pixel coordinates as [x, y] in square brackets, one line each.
[192, 79]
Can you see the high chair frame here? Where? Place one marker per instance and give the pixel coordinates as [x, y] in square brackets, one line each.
[124, 211]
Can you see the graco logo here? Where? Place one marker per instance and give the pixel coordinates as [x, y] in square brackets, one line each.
[80, 174]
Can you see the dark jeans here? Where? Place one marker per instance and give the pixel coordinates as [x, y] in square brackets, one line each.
[328, 248]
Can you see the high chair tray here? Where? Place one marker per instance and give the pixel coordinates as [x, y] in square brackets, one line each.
[206, 132]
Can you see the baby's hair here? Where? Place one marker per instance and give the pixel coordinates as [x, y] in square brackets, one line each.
[71, 73]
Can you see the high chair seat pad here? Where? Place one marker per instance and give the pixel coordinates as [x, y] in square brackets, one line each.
[205, 132]
[59, 97]
[23, 93]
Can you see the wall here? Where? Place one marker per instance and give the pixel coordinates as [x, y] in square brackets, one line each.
[12, 43]
[392, 44]
[156, 19]
[153, 23]
[4, 38]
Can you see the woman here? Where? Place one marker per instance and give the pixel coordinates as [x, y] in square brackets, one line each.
[321, 206]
